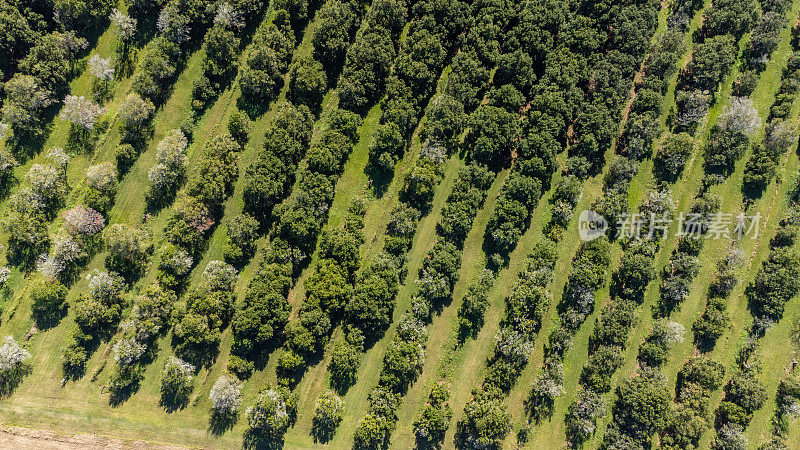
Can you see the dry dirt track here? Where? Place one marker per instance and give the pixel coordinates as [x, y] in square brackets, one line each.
[23, 438]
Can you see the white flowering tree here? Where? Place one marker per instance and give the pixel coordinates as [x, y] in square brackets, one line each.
[83, 221]
[101, 68]
[48, 182]
[59, 157]
[220, 276]
[176, 383]
[83, 114]
[66, 248]
[105, 287]
[228, 17]
[13, 365]
[5, 274]
[171, 161]
[328, 411]
[740, 116]
[128, 350]
[226, 396]
[270, 416]
[102, 177]
[103, 71]
[124, 25]
[134, 114]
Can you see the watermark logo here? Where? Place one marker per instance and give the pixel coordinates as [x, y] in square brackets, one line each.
[591, 225]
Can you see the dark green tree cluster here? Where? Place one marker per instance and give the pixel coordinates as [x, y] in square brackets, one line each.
[403, 361]
[787, 399]
[209, 307]
[368, 61]
[697, 379]
[82, 16]
[643, 407]
[485, 421]
[577, 302]
[420, 59]
[790, 85]
[764, 39]
[778, 279]
[329, 293]
[713, 56]
[222, 44]
[431, 426]
[273, 412]
[40, 81]
[780, 135]
[30, 210]
[96, 315]
[263, 311]
[268, 180]
[205, 310]
[744, 394]
[714, 321]
[267, 59]
[135, 345]
[642, 128]
[524, 312]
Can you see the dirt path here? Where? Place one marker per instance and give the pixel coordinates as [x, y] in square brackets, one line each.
[24, 438]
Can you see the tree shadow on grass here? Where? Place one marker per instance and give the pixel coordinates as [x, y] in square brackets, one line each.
[253, 440]
[10, 379]
[218, 424]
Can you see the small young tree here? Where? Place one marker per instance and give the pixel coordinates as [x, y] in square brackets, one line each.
[103, 72]
[176, 382]
[328, 411]
[226, 396]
